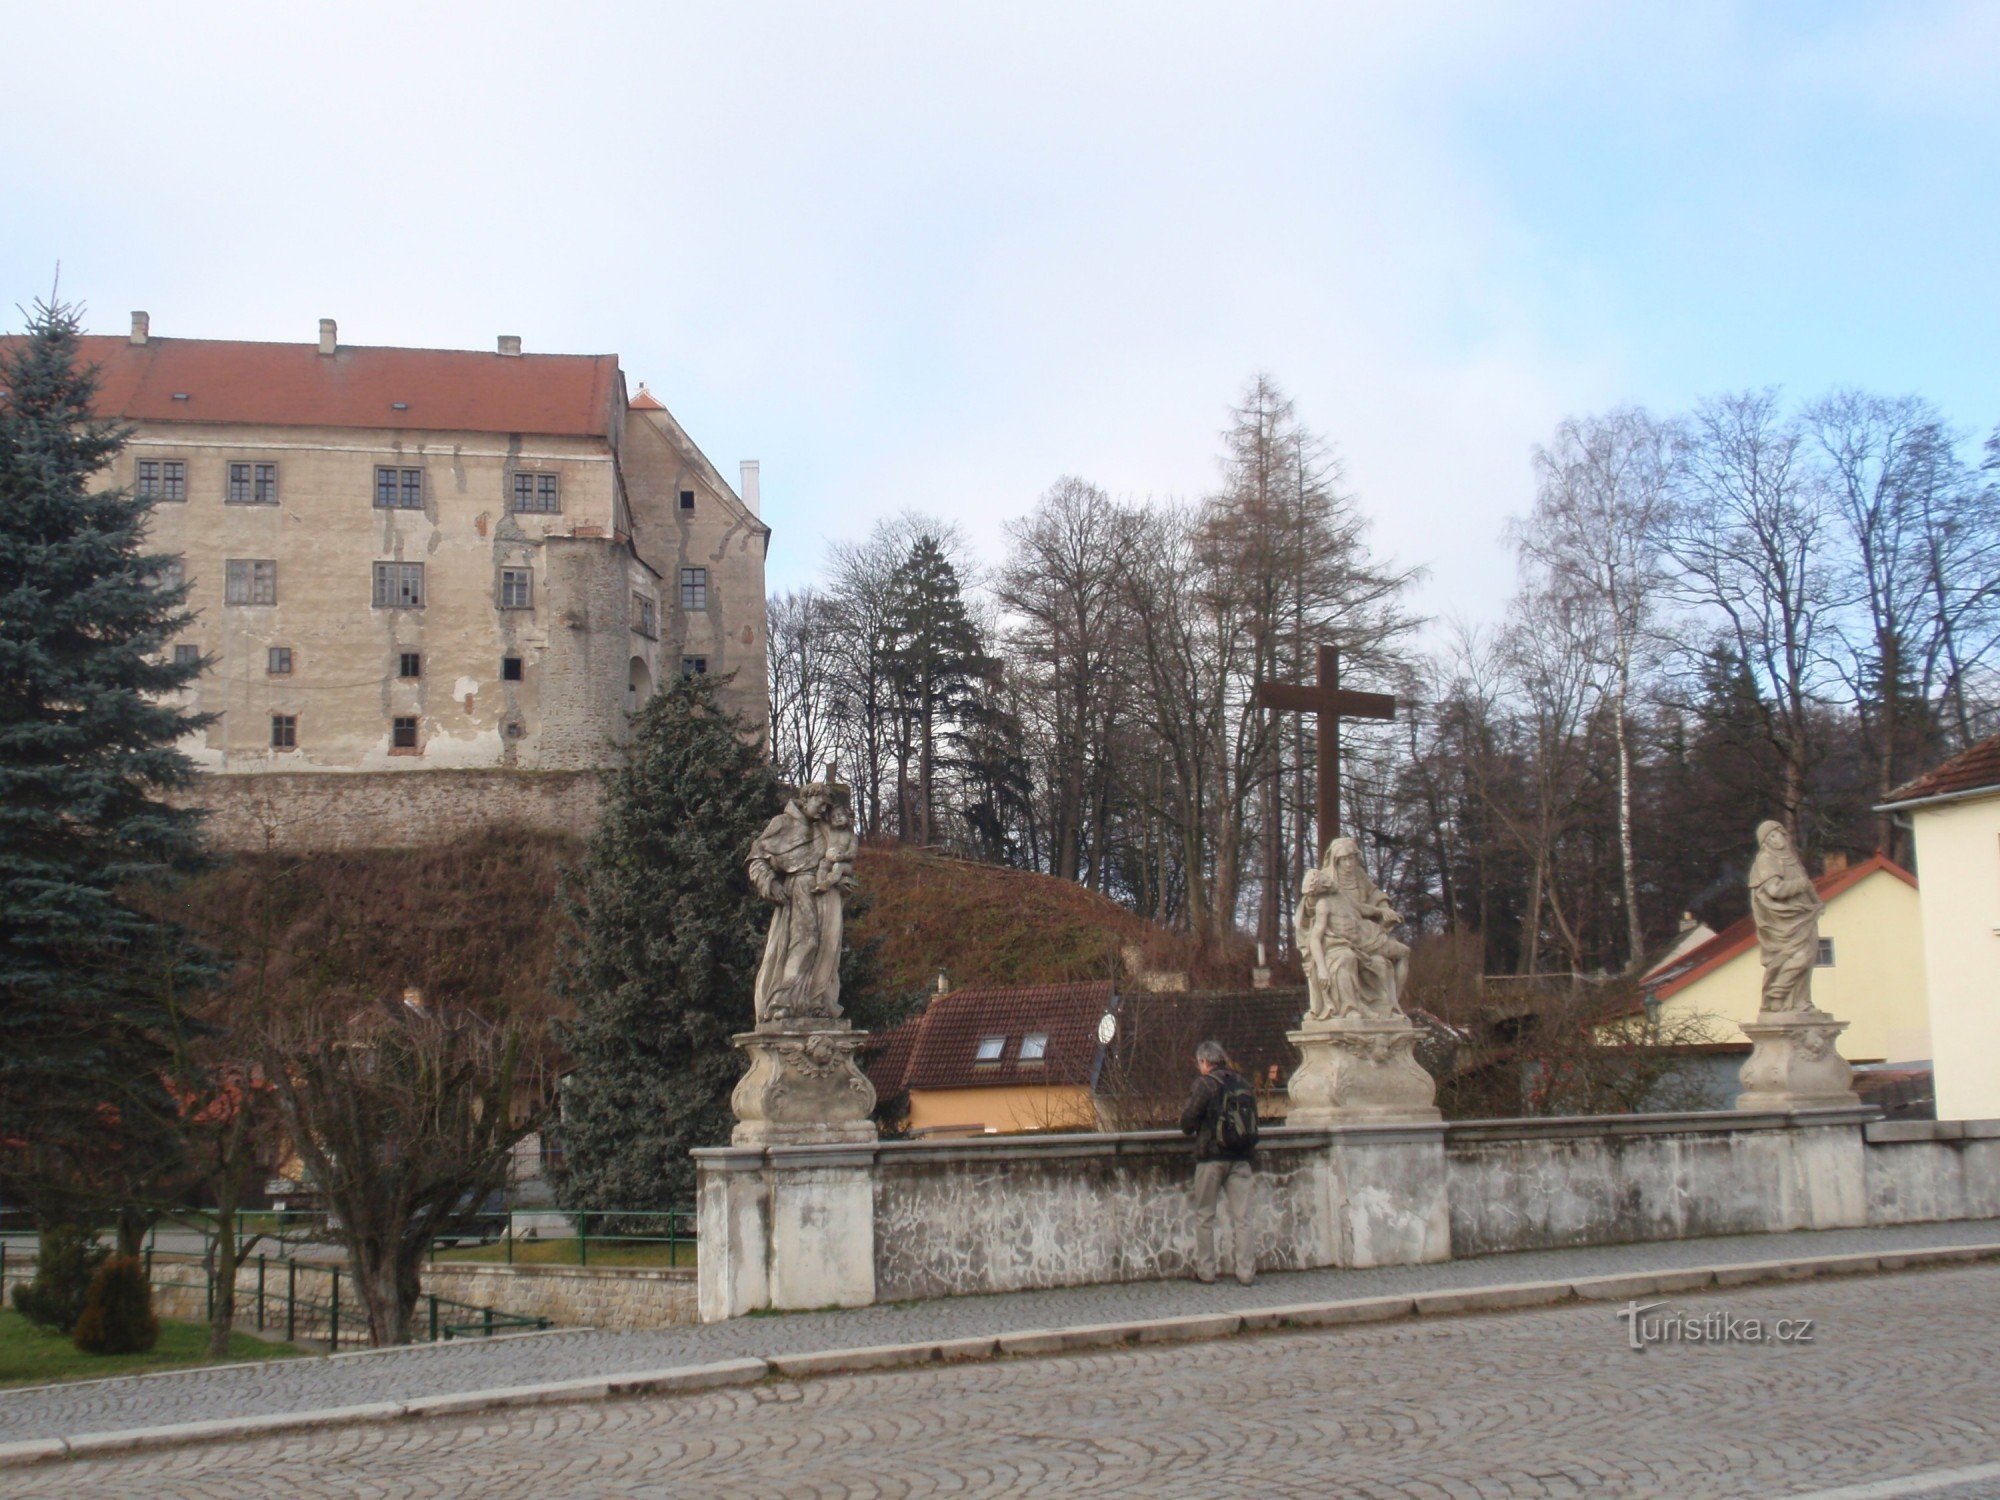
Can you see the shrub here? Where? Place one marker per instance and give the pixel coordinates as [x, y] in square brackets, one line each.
[118, 1311]
[64, 1265]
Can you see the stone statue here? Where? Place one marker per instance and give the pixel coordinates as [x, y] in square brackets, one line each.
[1355, 966]
[1786, 910]
[803, 862]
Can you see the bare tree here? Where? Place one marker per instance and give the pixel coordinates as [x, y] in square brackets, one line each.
[1602, 500]
[804, 654]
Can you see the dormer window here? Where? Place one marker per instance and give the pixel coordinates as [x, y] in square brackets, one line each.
[990, 1048]
[1034, 1046]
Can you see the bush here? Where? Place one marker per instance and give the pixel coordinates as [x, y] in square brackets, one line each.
[64, 1265]
[118, 1311]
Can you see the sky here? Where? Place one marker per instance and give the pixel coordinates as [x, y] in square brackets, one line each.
[935, 256]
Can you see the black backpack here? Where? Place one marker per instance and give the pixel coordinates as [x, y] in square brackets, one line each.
[1236, 1114]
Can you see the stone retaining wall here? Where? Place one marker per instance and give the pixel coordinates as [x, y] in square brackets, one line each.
[813, 1226]
[573, 1296]
[320, 810]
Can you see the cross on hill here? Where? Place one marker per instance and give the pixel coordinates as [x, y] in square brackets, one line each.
[1327, 700]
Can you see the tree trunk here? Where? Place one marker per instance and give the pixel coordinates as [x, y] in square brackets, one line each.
[222, 1307]
[388, 1280]
[1635, 934]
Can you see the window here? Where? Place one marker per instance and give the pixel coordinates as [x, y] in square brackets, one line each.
[284, 731]
[687, 499]
[399, 585]
[403, 734]
[278, 661]
[162, 479]
[510, 669]
[170, 574]
[250, 581]
[410, 664]
[1034, 1046]
[645, 618]
[187, 656]
[990, 1048]
[252, 484]
[536, 492]
[694, 666]
[1825, 959]
[694, 588]
[517, 588]
[399, 489]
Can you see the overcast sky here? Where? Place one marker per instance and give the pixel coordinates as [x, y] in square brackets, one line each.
[936, 255]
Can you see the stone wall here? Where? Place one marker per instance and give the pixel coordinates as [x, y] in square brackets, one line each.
[572, 1296]
[362, 810]
[809, 1226]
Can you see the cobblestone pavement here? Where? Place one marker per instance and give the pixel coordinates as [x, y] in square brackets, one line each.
[402, 1375]
[1898, 1381]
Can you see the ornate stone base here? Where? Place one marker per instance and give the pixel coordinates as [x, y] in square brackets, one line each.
[803, 1087]
[1793, 1063]
[1356, 1071]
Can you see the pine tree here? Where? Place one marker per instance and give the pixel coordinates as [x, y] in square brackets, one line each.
[938, 661]
[662, 971]
[88, 731]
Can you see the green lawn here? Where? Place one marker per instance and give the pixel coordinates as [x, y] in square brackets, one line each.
[566, 1252]
[32, 1355]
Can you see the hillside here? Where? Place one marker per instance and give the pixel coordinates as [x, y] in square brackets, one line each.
[985, 924]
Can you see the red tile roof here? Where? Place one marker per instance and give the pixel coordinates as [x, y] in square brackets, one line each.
[1739, 936]
[646, 400]
[938, 1049]
[1974, 769]
[294, 385]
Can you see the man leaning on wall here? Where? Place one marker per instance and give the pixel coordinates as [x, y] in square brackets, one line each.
[1221, 1115]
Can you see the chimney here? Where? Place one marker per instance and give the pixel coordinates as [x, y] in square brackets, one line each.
[510, 345]
[328, 336]
[944, 984]
[141, 327]
[1260, 976]
[751, 498]
[1687, 922]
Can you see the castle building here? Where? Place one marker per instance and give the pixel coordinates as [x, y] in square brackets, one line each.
[429, 560]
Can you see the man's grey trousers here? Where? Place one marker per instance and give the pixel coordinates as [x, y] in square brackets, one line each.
[1230, 1180]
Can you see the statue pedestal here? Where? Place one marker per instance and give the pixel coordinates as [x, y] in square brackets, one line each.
[1359, 1071]
[1793, 1063]
[803, 1087]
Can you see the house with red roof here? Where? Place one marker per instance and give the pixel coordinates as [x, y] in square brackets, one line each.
[1954, 815]
[1870, 972]
[406, 561]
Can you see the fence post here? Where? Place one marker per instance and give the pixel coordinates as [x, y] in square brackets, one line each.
[488, 1320]
[583, 1238]
[260, 1291]
[333, 1316]
[291, 1301]
[434, 1317]
[510, 1236]
[210, 1279]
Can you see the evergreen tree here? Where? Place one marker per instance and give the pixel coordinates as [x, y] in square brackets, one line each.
[938, 662]
[664, 965]
[88, 730]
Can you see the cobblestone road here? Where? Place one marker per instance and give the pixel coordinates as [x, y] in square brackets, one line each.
[401, 1375]
[1898, 1381]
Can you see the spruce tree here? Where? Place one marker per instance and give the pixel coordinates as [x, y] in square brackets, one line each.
[663, 966]
[89, 723]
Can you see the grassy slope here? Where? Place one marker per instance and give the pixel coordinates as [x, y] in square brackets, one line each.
[30, 1355]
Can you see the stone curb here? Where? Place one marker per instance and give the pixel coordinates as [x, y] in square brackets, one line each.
[686, 1379]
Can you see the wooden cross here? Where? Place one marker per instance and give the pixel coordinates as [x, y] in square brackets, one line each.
[1328, 700]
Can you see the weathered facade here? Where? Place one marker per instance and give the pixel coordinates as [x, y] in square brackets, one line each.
[416, 560]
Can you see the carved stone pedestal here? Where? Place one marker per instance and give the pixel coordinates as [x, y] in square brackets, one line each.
[1793, 1063]
[1355, 1071]
[803, 1088]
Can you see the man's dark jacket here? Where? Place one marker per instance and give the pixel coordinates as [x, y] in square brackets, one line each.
[1198, 1119]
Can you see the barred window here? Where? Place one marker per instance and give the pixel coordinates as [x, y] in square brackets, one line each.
[399, 489]
[517, 588]
[536, 492]
[284, 731]
[162, 479]
[399, 585]
[694, 588]
[278, 661]
[250, 581]
[645, 617]
[252, 484]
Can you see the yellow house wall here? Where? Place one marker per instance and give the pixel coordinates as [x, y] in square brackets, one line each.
[1010, 1108]
[1958, 853]
[1876, 982]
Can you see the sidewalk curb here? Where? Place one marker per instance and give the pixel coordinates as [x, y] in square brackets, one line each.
[686, 1379]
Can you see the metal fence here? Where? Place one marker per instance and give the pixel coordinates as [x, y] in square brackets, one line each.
[614, 1236]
